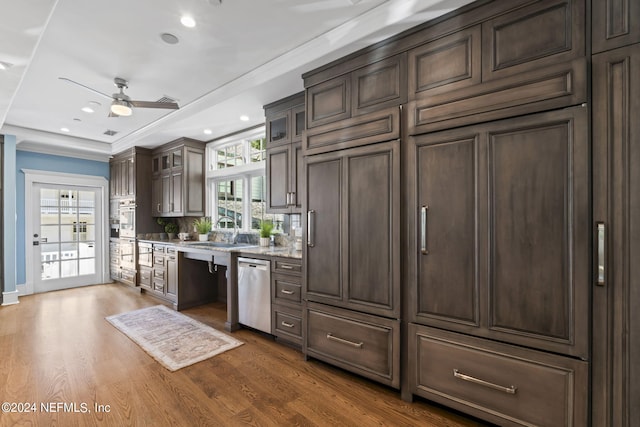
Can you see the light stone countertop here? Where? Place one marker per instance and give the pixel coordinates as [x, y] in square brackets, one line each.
[278, 251]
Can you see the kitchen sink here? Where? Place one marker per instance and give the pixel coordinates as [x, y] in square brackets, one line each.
[220, 244]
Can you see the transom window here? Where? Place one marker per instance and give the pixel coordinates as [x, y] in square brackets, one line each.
[236, 181]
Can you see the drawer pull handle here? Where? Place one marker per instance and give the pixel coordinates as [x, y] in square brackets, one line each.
[286, 266]
[509, 390]
[331, 337]
[287, 324]
[286, 292]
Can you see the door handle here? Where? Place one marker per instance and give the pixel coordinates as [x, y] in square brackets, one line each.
[310, 231]
[423, 229]
[601, 246]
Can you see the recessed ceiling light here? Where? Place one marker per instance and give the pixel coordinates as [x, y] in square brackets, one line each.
[244, 118]
[169, 38]
[208, 131]
[87, 110]
[64, 129]
[188, 21]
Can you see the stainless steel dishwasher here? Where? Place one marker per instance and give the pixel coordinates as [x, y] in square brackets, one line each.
[254, 293]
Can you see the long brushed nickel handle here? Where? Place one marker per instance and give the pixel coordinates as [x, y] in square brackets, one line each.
[509, 390]
[601, 244]
[423, 229]
[310, 231]
[332, 337]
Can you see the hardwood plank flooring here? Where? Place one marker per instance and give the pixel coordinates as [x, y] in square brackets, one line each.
[56, 349]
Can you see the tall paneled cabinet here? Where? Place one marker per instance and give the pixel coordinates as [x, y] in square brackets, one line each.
[285, 124]
[508, 164]
[616, 213]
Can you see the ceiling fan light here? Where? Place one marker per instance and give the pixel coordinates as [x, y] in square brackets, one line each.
[120, 108]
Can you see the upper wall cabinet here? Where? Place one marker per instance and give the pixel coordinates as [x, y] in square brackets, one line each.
[178, 179]
[543, 33]
[446, 64]
[367, 89]
[285, 127]
[615, 23]
[527, 60]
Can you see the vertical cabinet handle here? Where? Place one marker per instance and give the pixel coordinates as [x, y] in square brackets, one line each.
[310, 227]
[423, 229]
[158, 208]
[601, 245]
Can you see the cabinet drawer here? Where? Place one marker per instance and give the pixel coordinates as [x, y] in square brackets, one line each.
[286, 289]
[287, 323]
[171, 253]
[364, 344]
[145, 277]
[158, 273]
[158, 285]
[158, 260]
[378, 126]
[287, 266]
[504, 384]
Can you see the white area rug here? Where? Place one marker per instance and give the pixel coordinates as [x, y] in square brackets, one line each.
[172, 338]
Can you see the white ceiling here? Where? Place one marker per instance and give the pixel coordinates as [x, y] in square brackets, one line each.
[241, 55]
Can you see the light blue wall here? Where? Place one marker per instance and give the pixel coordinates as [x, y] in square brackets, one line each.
[9, 213]
[44, 162]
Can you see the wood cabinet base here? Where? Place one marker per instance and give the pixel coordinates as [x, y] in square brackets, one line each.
[504, 384]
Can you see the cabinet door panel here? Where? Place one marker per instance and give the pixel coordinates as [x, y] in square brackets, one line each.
[329, 101]
[546, 32]
[447, 190]
[156, 196]
[616, 204]
[278, 179]
[194, 198]
[296, 177]
[446, 64]
[324, 182]
[379, 85]
[166, 194]
[538, 239]
[176, 193]
[372, 228]
[615, 24]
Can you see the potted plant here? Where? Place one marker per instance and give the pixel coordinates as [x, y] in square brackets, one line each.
[266, 228]
[203, 227]
[171, 228]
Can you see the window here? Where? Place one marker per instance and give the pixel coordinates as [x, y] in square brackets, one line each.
[236, 181]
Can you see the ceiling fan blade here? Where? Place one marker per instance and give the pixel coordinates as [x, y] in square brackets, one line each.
[153, 104]
[86, 87]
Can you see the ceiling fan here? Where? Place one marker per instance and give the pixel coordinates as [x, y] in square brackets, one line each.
[121, 104]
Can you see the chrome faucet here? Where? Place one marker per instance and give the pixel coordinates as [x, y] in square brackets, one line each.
[234, 237]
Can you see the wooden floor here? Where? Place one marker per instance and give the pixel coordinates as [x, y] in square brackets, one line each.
[56, 349]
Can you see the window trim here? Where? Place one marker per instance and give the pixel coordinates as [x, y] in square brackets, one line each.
[245, 172]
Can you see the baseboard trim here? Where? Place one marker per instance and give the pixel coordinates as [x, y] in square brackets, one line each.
[10, 298]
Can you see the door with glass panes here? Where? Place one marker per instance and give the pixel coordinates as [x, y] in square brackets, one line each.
[67, 248]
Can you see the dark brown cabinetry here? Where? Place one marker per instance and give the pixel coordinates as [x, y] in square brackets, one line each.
[130, 209]
[500, 243]
[615, 23]
[496, 69]
[353, 207]
[370, 88]
[286, 300]
[352, 259]
[177, 187]
[616, 212]
[499, 248]
[285, 126]
[505, 384]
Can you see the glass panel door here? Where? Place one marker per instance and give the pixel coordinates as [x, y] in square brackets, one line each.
[65, 240]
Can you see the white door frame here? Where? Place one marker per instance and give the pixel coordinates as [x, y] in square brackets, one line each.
[60, 178]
